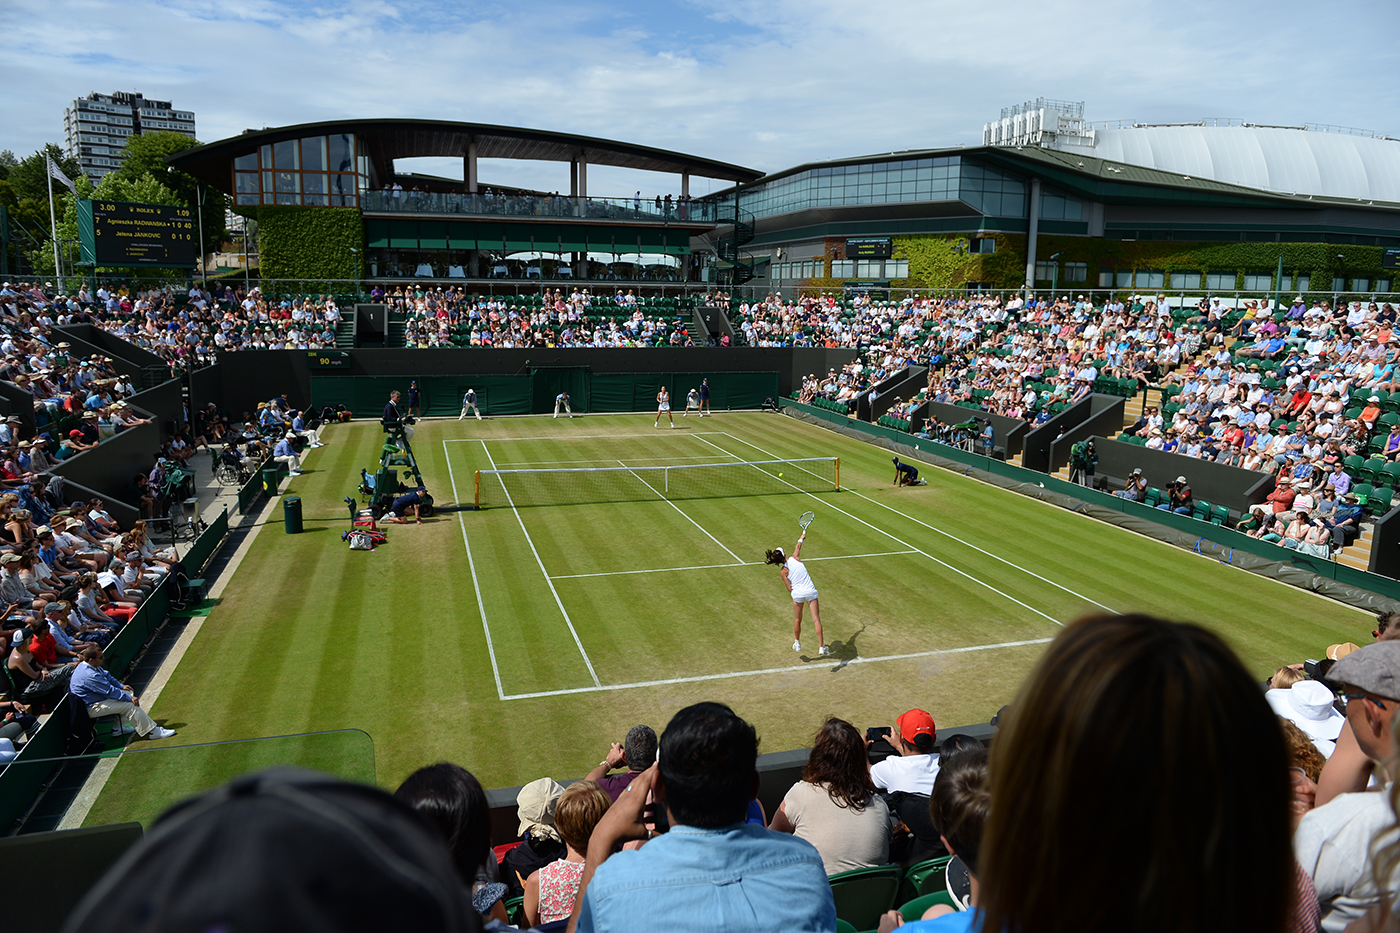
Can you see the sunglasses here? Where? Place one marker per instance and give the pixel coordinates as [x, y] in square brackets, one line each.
[1361, 696]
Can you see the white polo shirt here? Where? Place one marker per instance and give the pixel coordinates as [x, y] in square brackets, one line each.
[913, 774]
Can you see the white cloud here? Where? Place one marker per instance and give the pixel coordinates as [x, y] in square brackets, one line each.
[766, 85]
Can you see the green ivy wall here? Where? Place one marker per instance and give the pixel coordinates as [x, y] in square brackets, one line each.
[309, 244]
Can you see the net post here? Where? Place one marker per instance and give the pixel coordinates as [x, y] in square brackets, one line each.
[838, 473]
[476, 492]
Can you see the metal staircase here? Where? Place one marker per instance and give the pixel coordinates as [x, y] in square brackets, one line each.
[735, 266]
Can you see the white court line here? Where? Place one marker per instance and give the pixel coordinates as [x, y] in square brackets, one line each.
[573, 437]
[599, 460]
[897, 539]
[682, 514]
[557, 601]
[480, 605]
[750, 563]
[776, 670]
[945, 534]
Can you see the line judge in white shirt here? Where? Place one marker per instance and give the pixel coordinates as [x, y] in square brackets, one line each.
[913, 770]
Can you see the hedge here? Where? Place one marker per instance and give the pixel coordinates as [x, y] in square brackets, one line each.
[309, 245]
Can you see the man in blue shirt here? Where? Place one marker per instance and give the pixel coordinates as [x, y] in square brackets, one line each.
[284, 452]
[104, 695]
[711, 871]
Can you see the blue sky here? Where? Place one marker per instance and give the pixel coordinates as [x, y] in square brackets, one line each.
[766, 85]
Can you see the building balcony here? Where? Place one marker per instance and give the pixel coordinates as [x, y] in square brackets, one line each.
[563, 207]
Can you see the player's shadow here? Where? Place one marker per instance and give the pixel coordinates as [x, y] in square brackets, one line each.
[842, 652]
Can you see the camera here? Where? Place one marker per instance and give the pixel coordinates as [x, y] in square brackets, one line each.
[1313, 669]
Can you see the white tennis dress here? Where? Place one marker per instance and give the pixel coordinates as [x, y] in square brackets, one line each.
[803, 590]
[663, 401]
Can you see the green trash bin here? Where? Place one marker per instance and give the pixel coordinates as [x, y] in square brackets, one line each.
[291, 514]
[269, 475]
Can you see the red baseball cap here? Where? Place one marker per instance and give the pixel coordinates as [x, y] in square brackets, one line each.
[914, 723]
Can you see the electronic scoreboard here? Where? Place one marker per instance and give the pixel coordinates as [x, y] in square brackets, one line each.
[870, 248]
[119, 233]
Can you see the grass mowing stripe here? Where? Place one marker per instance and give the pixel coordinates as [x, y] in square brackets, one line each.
[899, 540]
[682, 513]
[945, 534]
[544, 572]
[791, 669]
[744, 563]
[476, 585]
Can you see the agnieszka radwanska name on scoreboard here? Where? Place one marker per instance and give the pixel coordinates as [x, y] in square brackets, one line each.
[127, 234]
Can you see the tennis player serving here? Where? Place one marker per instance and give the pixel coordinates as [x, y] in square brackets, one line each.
[800, 585]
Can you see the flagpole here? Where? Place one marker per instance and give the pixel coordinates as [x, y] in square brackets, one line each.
[53, 223]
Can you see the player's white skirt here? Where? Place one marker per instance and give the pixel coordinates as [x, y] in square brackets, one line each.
[664, 406]
[804, 596]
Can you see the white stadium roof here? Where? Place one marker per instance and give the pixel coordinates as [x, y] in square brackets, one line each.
[1281, 159]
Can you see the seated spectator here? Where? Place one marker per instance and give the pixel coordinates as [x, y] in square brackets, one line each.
[959, 808]
[283, 851]
[453, 802]
[540, 841]
[1346, 521]
[914, 768]
[834, 806]
[1136, 489]
[1179, 498]
[550, 891]
[711, 870]
[637, 752]
[1114, 720]
[104, 695]
[1333, 841]
[35, 681]
[1308, 705]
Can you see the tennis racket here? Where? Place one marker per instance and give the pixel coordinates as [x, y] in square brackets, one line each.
[806, 520]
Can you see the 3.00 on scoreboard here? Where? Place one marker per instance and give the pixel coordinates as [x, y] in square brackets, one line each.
[118, 233]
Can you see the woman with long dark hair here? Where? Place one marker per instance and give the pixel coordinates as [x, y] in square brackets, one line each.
[834, 806]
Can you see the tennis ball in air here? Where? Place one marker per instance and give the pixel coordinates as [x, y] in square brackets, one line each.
[780, 476]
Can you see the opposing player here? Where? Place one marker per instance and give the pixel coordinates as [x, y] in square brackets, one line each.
[705, 398]
[906, 474]
[561, 403]
[406, 504]
[803, 590]
[469, 402]
[663, 407]
[692, 402]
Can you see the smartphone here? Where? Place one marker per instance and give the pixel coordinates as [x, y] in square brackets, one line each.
[876, 733]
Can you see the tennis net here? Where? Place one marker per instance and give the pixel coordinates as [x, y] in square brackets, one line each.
[577, 486]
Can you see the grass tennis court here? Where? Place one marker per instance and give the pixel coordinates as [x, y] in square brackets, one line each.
[519, 642]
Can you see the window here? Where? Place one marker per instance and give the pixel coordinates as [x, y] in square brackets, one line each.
[245, 182]
[1151, 278]
[1186, 280]
[247, 162]
[1220, 280]
[313, 153]
[1304, 283]
[842, 268]
[982, 244]
[1124, 278]
[1258, 281]
[342, 153]
[1045, 271]
[1360, 285]
[868, 268]
[1339, 283]
[1076, 272]
[1105, 278]
[1382, 285]
[284, 155]
[896, 268]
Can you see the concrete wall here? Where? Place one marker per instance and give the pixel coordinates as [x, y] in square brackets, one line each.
[1010, 432]
[1037, 445]
[1107, 420]
[109, 467]
[165, 403]
[1213, 482]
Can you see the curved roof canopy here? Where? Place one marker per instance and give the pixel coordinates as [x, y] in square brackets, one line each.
[1279, 159]
[386, 140]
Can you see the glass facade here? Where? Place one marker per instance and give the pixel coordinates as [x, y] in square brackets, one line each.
[942, 178]
[317, 171]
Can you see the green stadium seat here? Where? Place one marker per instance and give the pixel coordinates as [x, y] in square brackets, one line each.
[1370, 470]
[1220, 515]
[863, 894]
[1388, 419]
[844, 927]
[1154, 497]
[913, 910]
[1381, 498]
[1201, 510]
[1364, 492]
[1351, 414]
[924, 878]
[1392, 475]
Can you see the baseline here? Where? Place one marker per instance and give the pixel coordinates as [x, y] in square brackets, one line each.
[602, 688]
[572, 437]
[545, 573]
[751, 563]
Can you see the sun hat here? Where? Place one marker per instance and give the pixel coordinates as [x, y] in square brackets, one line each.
[1374, 668]
[535, 805]
[1308, 705]
[1337, 652]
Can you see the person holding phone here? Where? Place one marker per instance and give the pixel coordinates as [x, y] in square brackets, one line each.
[914, 769]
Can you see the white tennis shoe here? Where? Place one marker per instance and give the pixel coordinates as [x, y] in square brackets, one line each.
[825, 651]
[797, 646]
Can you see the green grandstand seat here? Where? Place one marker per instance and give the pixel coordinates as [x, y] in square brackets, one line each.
[1380, 501]
[1201, 510]
[1353, 464]
[1370, 470]
[1392, 475]
[1154, 497]
[1219, 515]
[913, 910]
[1364, 492]
[863, 894]
[1376, 444]
[1351, 414]
[844, 927]
[924, 878]
[1388, 419]
[1278, 425]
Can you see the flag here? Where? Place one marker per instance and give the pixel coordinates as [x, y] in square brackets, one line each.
[57, 174]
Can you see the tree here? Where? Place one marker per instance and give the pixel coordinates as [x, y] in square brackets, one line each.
[146, 155]
[7, 162]
[29, 177]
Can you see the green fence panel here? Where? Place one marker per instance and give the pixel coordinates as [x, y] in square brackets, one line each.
[366, 396]
[623, 392]
[19, 785]
[250, 493]
[546, 384]
[207, 543]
